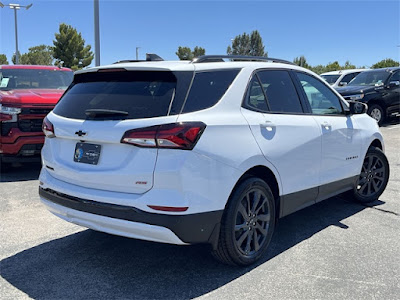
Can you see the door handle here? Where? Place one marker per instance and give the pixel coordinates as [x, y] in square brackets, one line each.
[326, 125]
[268, 125]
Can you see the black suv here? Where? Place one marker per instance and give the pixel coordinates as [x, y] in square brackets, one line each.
[379, 88]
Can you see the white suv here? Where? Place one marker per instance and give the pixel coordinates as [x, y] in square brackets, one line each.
[342, 77]
[207, 151]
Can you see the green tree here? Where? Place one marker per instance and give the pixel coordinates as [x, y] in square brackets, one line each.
[3, 59]
[319, 69]
[332, 66]
[302, 62]
[246, 44]
[185, 53]
[38, 55]
[69, 48]
[198, 51]
[348, 65]
[385, 63]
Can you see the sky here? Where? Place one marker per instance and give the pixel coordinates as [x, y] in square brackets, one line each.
[363, 32]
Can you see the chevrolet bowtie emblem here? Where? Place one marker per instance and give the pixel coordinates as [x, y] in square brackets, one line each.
[80, 133]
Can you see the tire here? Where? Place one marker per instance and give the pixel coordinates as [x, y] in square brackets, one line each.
[373, 178]
[248, 223]
[376, 112]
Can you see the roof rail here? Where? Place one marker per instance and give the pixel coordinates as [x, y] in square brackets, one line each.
[149, 57]
[220, 58]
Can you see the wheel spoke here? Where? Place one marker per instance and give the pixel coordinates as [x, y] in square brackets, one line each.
[249, 239]
[248, 204]
[257, 197]
[255, 239]
[262, 230]
[241, 226]
[264, 218]
[380, 178]
[380, 170]
[363, 186]
[369, 163]
[375, 186]
[243, 212]
[261, 206]
[369, 188]
[242, 238]
[362, 181]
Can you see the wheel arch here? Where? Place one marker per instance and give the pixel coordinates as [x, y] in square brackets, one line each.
[376, 143]
[269, 177]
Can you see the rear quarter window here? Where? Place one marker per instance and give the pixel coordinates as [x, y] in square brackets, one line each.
[208, 88]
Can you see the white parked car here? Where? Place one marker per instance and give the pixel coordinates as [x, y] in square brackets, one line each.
[341, 78]
[207, 151]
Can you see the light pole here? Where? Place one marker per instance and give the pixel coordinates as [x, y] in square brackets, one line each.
[96, 33]
[15, 7]
[137, 53]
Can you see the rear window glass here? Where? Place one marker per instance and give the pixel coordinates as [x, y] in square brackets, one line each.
[34, 79]
[208, 88]
[139, 94]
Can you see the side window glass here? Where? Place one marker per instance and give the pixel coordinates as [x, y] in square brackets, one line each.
[280, 91]
[322, 100]
[347, 78]
[395, 77]
[208, 88]
[255, 96]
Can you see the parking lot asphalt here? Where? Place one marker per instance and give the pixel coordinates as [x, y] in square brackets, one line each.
[337, 249]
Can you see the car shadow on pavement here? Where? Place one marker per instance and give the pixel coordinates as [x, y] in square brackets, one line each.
[91, 264]
[22, 172]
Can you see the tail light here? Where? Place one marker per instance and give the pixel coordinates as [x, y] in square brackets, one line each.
[171, 136]
[48, 128]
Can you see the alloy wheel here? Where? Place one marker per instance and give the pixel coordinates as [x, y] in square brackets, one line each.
[252, 222]
[376, 114]
[372, 176]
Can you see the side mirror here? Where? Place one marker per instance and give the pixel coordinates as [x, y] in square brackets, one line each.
[342, 83]
[395, 83]
[357, 108]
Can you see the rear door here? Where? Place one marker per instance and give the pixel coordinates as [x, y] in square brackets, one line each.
[341, 140]
[93, 116]
[288, 138]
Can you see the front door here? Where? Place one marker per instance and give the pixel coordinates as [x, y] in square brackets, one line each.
[341, 140]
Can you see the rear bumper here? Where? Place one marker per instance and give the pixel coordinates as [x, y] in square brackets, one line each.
[132, 222]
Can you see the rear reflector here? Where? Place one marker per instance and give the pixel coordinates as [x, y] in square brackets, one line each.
[168, 208]
[171, 136]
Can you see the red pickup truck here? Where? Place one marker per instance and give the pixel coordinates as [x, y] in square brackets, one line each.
[27, 94]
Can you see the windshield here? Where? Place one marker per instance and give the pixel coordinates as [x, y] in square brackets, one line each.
[370, 78]
[34, 79]
[331, 79]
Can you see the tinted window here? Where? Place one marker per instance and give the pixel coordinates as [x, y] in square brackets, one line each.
[376, 78]
[142, 94]
[255, 96]
[280, 91]
[322, 100]
[35, 79]
[347, 78]
[331, 79]
[208, 88]
[395, 77]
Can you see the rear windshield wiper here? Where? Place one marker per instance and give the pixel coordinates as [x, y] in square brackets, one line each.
[105, 113]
